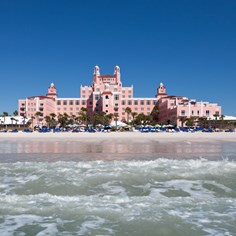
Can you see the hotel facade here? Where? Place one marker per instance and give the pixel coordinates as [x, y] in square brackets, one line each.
[106, 94]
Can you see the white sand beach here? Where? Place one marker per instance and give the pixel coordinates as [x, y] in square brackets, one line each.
[115, 146]
[122, 136]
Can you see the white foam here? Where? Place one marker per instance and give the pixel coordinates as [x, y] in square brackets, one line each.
[100, 194]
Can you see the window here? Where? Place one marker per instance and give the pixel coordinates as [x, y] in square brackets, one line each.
[136, 102]
[123, 91]
[148, 102]
[71, 102]
[71, 109]
[83, 91]
[58, 102]
[129, 96]
[198, 113]
[154, 102]
[107, 97]
[148, 108]
[115, 89]
[207, 112]
[130, 91]
[106, 111]
[183, 113]
[135, 108]
[77, 102]
[83, 103]
[142, 102]
[123, 96]
[106, 105]
[142, 109]
[123, 102]
[64, 102]
[192, 113]
[116, 97]
[96, 97]
[129, 102]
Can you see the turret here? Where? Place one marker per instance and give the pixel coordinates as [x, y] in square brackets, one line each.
[96, 73]
[52, 91]
[161, 91]
[117, 74]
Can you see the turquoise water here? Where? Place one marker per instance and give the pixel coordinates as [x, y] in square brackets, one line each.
[57, 194]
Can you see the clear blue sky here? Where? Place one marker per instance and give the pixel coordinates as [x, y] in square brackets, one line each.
[190, 46]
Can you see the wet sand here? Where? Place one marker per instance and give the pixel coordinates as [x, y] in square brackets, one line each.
[115, 146]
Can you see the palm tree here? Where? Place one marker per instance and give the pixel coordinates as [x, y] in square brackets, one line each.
[140, 119]
[154, 113]
[83, 115]
[133, 114]
[53, 120]
[128, 110]
[216, 115]
[116, 118]
[182, 120]
[38, 114]
[63, 119]
[15, 113]
[48, 121]
[174, 120]
[12, 118]
[190, 121]
[96, 119]
[202, 121]
[24, 117]
[16, 121]
[32, 118]
[4, 114]
[148, 119]
[222, 117]
[222, 121]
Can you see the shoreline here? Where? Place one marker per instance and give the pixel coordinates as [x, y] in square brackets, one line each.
[119, 136]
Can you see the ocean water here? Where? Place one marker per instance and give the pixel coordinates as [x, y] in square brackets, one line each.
[121, 191]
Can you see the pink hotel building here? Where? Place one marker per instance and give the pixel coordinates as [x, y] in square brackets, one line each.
[106, 94]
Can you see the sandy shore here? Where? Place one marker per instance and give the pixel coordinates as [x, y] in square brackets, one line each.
[122, 136]
[115, 146]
